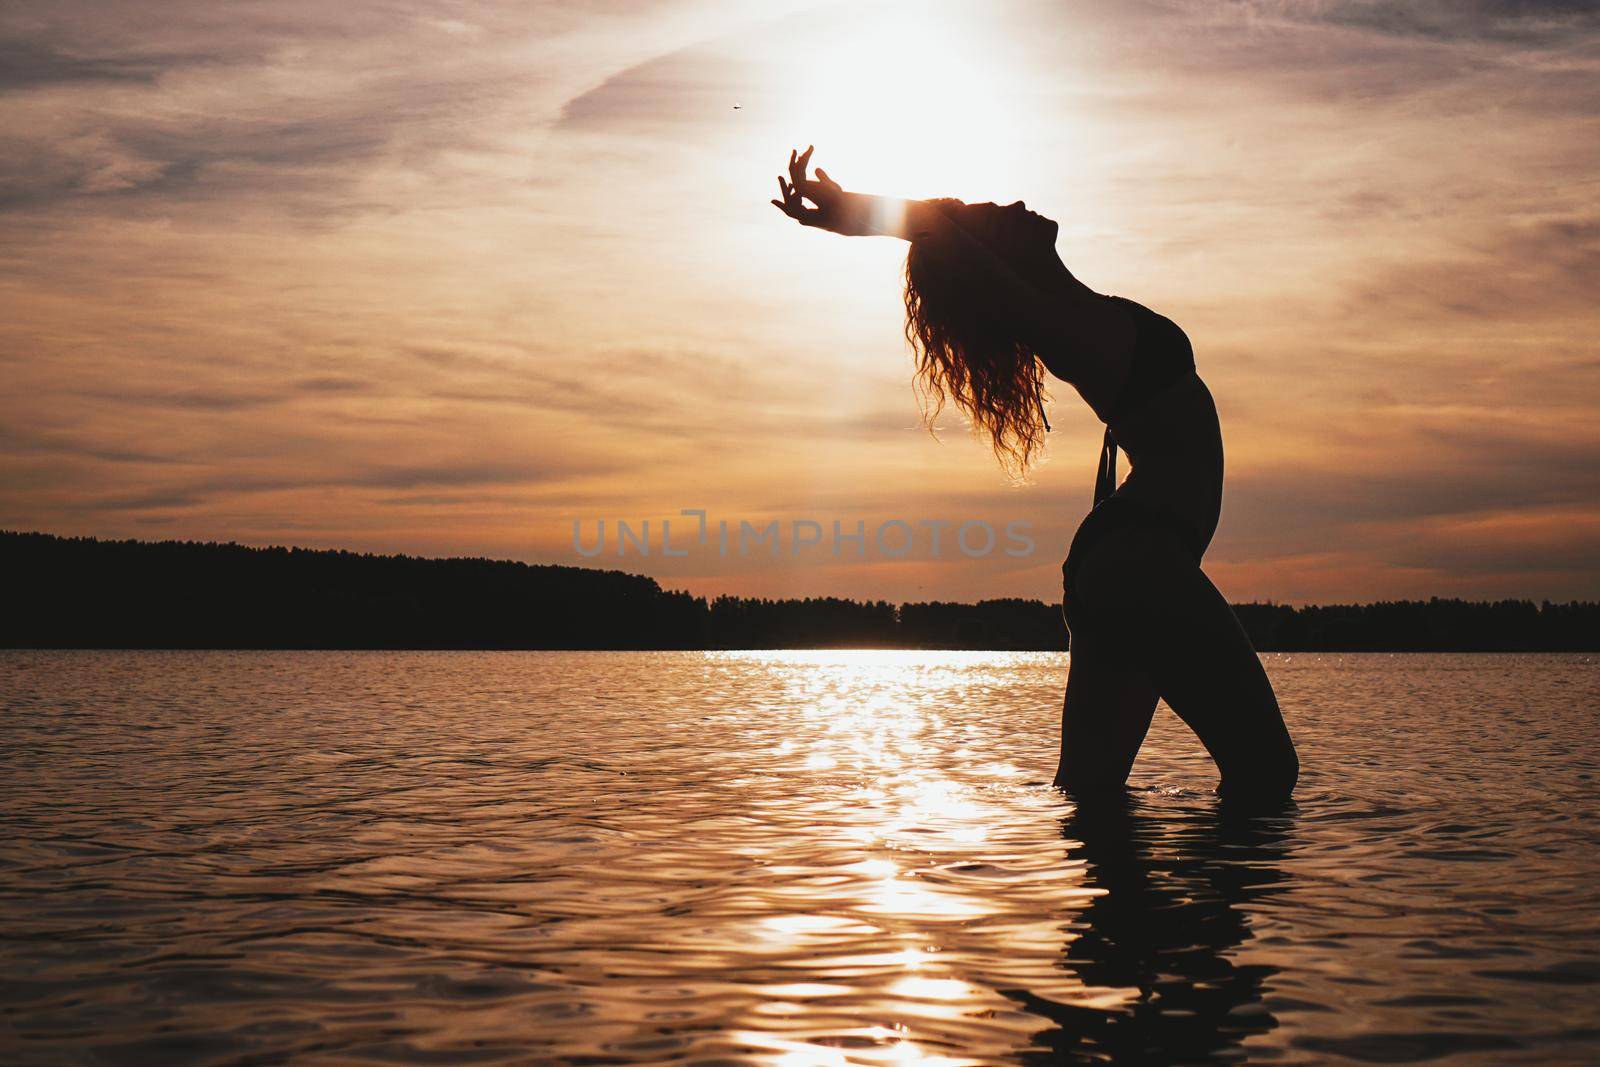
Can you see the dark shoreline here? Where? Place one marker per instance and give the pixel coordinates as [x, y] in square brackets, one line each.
[89, 593]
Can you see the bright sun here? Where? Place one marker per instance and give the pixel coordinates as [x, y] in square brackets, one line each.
[907, 108]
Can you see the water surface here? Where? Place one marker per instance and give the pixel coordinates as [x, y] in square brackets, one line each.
[779, 858]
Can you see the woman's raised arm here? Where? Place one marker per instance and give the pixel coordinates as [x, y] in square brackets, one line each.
[1070, 323]
[852, 214]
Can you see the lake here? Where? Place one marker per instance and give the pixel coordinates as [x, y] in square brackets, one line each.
[780, 858]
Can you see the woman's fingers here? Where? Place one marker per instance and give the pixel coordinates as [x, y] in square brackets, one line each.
[797, 173]
[828, 182]
[797, 166]
[791, 195]
[798, 188]
[791, 204]
[791, 191]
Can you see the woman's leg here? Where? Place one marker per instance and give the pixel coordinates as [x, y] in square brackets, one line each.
[1105, 715]
[1184, 637]
[1207, 670]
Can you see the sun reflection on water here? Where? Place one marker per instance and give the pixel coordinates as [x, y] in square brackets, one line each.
[911, 817]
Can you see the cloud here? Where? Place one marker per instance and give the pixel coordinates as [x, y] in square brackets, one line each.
[681, 89]
[1439, 54]
[1525, 269]
[27, 64]
[15, 442]
[1524, 22]
[404, 278]
[190, 399]
[334, 383]
[291, 103]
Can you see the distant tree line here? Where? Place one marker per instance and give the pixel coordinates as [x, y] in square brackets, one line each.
[1425, 626]
[87, 593]
[82, 592]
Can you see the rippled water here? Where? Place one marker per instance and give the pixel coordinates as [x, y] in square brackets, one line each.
[779, 858]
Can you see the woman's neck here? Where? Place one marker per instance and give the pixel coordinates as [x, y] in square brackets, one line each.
[1054, 278]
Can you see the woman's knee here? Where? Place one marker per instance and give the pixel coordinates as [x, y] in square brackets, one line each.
[1266, 776]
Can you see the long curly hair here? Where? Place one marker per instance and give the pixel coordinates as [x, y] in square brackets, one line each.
[966, 354]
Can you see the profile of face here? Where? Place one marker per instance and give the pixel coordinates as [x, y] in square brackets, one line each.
[1011, 231]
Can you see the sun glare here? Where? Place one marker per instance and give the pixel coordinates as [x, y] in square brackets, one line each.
[910, 108]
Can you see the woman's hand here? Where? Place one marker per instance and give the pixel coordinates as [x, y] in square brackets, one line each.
[850, 214]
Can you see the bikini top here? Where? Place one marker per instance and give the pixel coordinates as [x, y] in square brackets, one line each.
[1162, 354]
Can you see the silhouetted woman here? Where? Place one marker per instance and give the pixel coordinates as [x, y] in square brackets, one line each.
[989, 308]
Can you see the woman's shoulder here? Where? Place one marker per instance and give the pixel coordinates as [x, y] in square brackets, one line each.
[1128, 304]
[1150, 325]
[1117, 322]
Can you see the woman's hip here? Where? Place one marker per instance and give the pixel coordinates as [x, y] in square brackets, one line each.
[1174, 446]
[1126, 560]
[1170, 503]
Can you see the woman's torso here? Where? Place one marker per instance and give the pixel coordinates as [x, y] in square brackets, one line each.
[1164, 419]
[1174, 446]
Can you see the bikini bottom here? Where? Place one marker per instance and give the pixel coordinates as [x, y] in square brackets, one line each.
[1115, 514]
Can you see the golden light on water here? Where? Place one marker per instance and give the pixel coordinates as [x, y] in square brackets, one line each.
[916, 848]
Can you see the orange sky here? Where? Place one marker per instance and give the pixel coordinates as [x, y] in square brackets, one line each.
[445, 279]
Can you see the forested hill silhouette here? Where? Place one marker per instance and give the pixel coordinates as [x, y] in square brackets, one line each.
[87, 593]
[83, 592]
